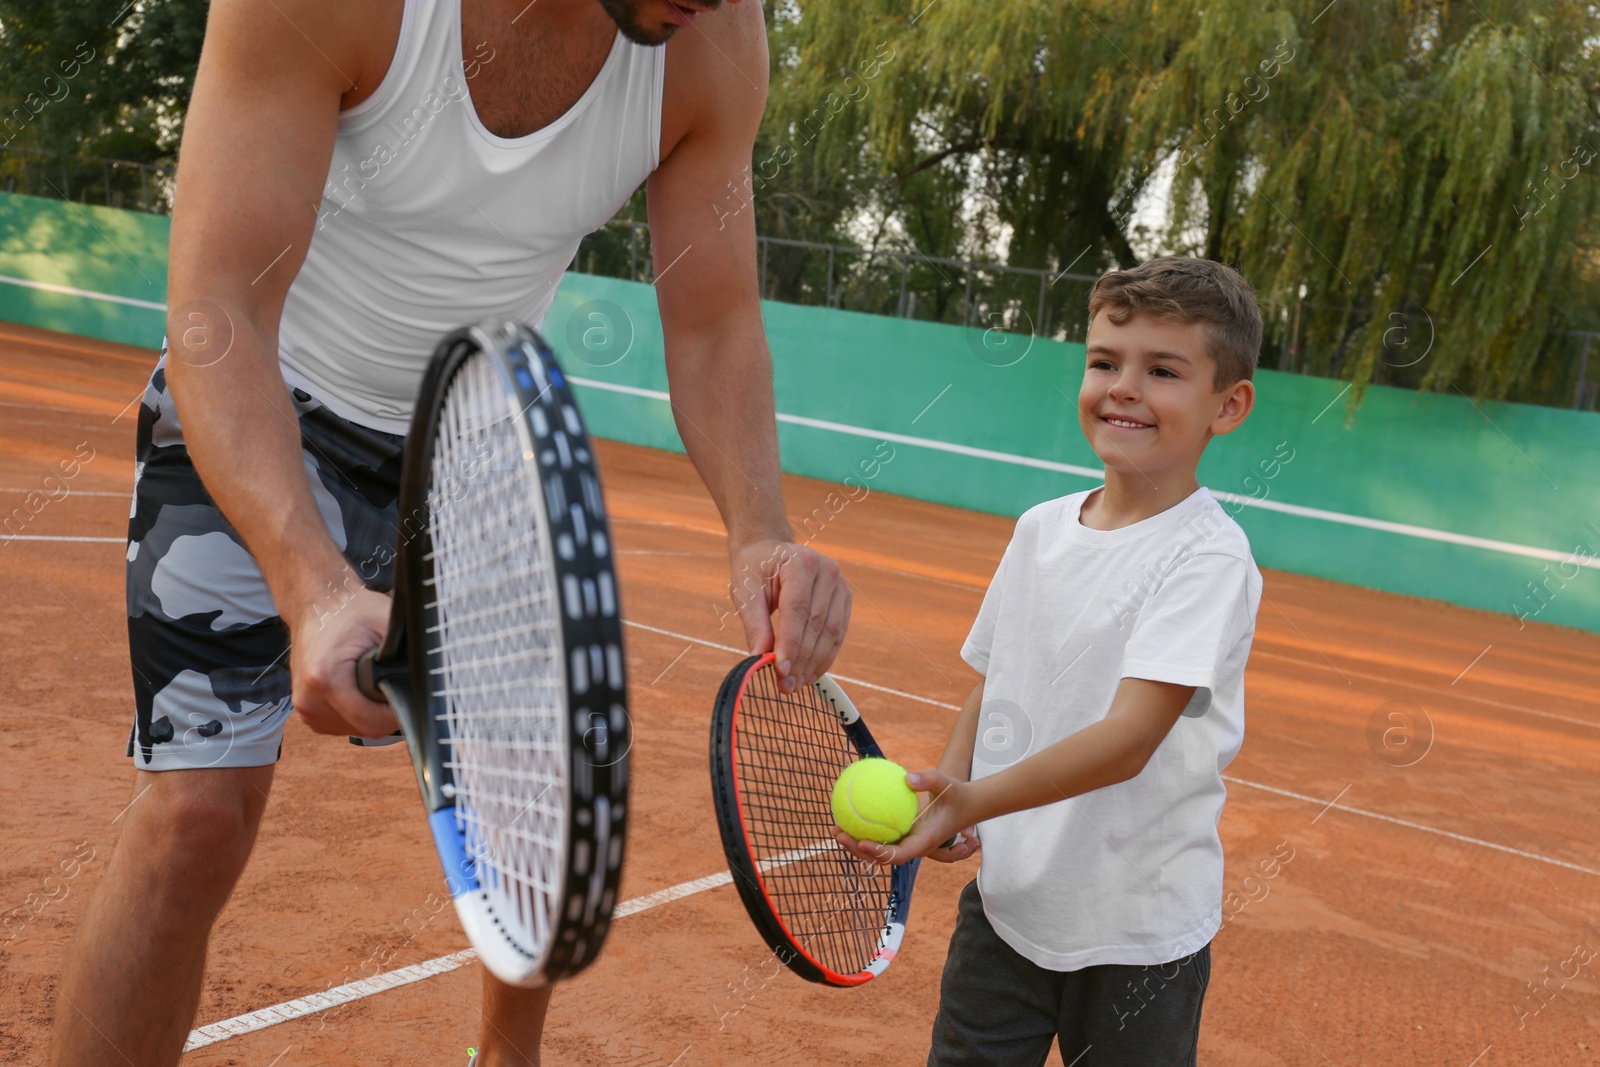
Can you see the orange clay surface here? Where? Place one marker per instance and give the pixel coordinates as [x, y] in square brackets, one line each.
[1405, 929]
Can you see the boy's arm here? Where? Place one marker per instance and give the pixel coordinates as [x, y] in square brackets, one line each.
[956, 763]
[1112, 750]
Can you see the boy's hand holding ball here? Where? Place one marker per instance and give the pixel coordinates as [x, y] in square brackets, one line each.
[876, 806]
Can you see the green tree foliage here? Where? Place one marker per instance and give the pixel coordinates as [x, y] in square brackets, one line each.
[98, 77]
[1423, 171]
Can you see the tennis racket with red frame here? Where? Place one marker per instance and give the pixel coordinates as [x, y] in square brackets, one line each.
[828, 916]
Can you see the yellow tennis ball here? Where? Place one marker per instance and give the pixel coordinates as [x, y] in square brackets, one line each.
[871, 801]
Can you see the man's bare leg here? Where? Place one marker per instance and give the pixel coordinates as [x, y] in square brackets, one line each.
[513, 1024]
[132, 978]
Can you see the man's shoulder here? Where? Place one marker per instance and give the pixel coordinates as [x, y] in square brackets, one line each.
[717, 73]
[723, 42]
[351, 43]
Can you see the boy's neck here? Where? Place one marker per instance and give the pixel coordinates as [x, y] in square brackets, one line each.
[1130, 497]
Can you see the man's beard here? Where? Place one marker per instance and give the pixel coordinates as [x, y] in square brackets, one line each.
[625, 13]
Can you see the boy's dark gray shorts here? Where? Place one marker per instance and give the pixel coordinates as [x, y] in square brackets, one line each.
[998, 1007]
[210, 655]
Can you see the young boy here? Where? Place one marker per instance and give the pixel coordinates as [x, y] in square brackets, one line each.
[1112, 641]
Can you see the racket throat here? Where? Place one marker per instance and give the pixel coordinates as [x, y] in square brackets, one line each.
[433, 778]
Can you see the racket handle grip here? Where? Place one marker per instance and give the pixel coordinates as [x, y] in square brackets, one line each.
[366, 677]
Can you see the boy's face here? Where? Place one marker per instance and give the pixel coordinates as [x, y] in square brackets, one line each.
[1148, 404]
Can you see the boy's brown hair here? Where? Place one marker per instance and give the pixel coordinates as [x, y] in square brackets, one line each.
[1183, 289]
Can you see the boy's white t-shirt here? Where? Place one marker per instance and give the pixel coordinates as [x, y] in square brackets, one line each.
[1131, 873]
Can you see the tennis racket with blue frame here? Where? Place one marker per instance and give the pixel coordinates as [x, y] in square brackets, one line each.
[503, 658]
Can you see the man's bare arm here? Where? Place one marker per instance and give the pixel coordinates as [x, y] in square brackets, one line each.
[717, 358]
[257, 141]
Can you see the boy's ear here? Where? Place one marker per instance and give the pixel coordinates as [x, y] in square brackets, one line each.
[1238, 400]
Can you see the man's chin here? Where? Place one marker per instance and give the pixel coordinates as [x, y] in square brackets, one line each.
[646, 36]
[627, 17]
[642, 34]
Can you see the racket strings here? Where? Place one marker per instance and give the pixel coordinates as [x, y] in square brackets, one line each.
[789, 751]
[499, 672]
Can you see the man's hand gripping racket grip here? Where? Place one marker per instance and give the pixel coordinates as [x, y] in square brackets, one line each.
[365, 677]
[368, 673]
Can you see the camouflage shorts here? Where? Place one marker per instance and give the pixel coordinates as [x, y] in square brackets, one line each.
[210, 655]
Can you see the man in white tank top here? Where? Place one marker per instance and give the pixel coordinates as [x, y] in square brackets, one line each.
[355, 179]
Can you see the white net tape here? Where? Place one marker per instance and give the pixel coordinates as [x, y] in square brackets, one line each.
[501, 681]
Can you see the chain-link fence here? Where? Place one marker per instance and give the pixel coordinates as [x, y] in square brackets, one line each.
[86, 179]
[1570, 350]
[896, 282]
[904, 284]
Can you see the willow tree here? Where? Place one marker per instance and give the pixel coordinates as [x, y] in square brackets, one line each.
[1396, 178]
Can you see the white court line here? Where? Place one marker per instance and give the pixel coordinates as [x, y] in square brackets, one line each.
[1425, 533]
[1455, 696]
[721, 534]
[1404, 529]
[88, 294]
[1412, 825]
[378, 983]
[48, 537]
[125, 494]
[366, 987]
[332, 998]
[85, 412]
[1257, 653]
[1463, 697]
[43, 407]
[840, 677]
[317, 1002]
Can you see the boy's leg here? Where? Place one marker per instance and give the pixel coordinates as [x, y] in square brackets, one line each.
[994, 1005]
[132, 979]
[1135, 1016]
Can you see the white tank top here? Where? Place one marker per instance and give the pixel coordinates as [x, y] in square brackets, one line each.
[429, 221]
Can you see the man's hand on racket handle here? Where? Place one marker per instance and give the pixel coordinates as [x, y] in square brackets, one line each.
[811, 600]
[330, 634]
[945, 814]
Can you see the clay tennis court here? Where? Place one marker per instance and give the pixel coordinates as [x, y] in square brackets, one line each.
[1424, 870]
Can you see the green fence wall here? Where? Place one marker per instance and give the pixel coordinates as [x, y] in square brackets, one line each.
[1527, 477]
[53, 251]
[1493, 506]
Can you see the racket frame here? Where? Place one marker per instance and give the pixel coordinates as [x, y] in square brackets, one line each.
[595, 785]
[747, 875]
